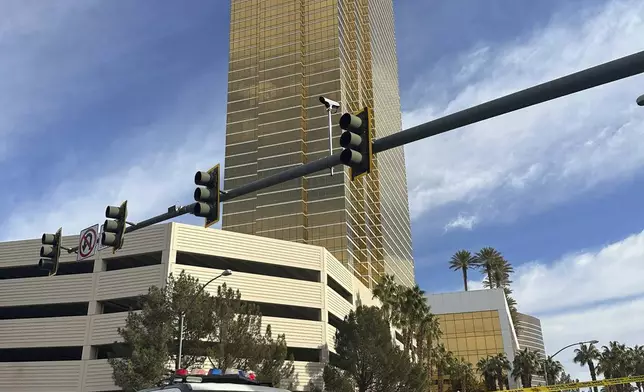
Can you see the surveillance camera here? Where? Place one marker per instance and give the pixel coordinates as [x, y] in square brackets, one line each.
[329, 103]
[640, 100]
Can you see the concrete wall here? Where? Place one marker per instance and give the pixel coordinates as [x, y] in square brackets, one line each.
[96, 328]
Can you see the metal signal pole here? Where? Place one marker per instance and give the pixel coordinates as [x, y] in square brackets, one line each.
[611, 71]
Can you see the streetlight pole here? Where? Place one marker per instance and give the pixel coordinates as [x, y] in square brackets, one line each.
[328, 113]
[545, 370]
[331, 107]
[226, 272]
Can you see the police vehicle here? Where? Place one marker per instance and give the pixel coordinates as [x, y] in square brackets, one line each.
[213, 380]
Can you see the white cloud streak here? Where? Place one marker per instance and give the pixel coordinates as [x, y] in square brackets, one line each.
[461, 222]
[581, 279]
[529, 160]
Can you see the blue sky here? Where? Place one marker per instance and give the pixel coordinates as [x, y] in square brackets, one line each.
[110, 100]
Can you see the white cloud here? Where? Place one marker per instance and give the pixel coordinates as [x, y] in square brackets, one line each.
[621, 322]
[531, 159]
[462, 222]
[54, 71]
[155, 177]
[583, 279]
[584, 296]
[475, 285]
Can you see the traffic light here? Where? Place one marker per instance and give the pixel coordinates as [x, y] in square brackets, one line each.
[114, 227]
[50, 252]
[356, 140]
[207, 195]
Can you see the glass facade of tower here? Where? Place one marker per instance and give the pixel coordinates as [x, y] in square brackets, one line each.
[472, 335]
[284, 55]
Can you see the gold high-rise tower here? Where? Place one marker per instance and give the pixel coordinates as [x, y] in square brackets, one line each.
[284, 55]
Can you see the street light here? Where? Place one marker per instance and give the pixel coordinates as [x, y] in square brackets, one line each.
[640, 100]
[226, 272]
[331, 107]
[545, 371]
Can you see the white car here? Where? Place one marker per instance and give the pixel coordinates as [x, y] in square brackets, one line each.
[213, 380]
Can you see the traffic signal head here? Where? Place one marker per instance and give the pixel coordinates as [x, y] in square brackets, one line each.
[356, 141]
[207, 195]
[50, 252]
[114, 227]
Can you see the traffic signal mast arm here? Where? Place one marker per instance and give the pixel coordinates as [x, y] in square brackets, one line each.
[173, 212]
[611, 71]
[592, 77]
[579, 81]
[287, 175]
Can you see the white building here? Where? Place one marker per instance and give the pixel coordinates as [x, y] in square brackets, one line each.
[55, 332]
[531, 337]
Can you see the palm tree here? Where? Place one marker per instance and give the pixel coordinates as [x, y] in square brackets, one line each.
[501, 270]
[462, 260]
[427, 341]
[552, 369]
[427, 333]
[461, 374]
[586, 355]
[442, 360]
[615, 362]
[638, 364]
[525, 364]
[501, 367]
[413, 308]
[487, 369]
[386, 291]
[486, 259]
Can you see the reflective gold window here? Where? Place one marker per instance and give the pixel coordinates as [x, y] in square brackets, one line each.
[283, 56]
[472, 335]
